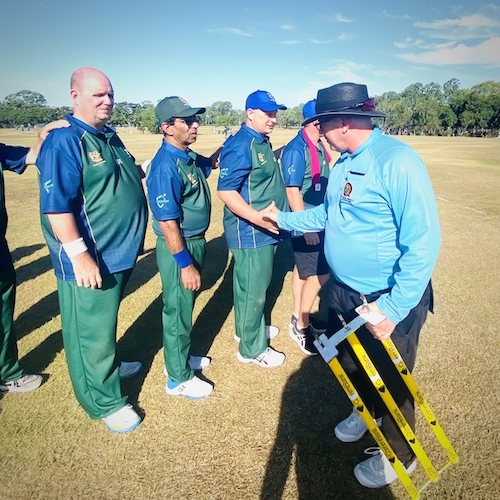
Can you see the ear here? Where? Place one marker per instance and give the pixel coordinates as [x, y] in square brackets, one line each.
[345, 125]
[73, 94]
[166, 128]
[249, 113]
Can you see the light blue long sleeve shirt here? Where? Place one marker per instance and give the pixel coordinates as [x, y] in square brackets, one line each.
[381, 223]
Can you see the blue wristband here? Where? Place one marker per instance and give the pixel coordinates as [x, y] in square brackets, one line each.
[182, 258]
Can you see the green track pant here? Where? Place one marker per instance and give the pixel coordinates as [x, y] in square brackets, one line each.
[88, 320]
[177, 310]
[253, 269]
[9, 364]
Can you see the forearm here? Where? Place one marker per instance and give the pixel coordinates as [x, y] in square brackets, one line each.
[313, 219]
[410, 282]
[172, 235]
[235, 202]
[294, 198]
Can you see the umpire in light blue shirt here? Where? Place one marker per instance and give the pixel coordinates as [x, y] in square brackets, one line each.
[381, 238]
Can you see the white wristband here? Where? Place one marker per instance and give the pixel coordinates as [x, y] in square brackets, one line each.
[75, 247]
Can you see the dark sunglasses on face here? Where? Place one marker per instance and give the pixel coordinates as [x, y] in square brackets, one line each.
[190, 120]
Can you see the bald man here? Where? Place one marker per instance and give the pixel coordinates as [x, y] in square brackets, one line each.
[94, 215]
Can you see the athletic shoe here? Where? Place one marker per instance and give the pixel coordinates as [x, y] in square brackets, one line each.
[196, 363]
[25, 383]
[303, 338]
[377, 471]
[268, 359]
[293, 321]
[271, 332]
[194, 388]
[123, 420]
[129, 369]
[352, 428]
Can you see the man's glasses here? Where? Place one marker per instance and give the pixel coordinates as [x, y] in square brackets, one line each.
[190, 120]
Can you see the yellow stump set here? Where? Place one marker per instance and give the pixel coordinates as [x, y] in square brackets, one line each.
[327, 348]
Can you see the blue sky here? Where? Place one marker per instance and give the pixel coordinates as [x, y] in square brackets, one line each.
[212, 50]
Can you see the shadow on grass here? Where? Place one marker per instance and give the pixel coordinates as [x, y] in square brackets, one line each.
[283, 263]
[33, 269]
[144, 338]
[141, 342]
[312, 403]
[48, 307]
[21, 252]
[37, 360]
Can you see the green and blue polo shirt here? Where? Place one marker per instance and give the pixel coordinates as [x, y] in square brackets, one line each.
[177, 189]
[90, 174]
[248, 165]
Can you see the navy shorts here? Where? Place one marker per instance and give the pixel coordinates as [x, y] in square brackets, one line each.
[310, 259]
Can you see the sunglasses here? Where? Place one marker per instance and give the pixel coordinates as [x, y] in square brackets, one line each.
[190, 120]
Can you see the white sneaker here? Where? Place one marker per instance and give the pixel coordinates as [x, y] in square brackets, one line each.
[25, 383]
[196, 363]
[304, 339]
[129, 369]
[377, 471]
[194, 388]
[123, 420]
[271, 332]
[352, 428]
[268, 359]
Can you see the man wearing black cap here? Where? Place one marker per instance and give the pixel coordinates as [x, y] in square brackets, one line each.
[305, 165]
[381, 240]
[179, 198]
[249, 180]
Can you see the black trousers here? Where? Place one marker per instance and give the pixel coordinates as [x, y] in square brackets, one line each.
[405, 337]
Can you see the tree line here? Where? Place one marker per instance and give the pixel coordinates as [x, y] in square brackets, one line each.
[430, 109]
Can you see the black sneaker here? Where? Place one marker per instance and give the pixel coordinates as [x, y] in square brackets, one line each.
[304, 339]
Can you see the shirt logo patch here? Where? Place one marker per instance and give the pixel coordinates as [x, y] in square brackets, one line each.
[223, 172]
[162, 200]
[291, 170]
[192, 179]
[48, 185]
[96, 158]
[262, 158]
[347, 189]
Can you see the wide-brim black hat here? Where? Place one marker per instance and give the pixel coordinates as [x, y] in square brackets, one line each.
[345, 99]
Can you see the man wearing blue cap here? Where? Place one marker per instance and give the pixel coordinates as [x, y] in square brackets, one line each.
[381, 242]
[305, 164]
[249, 181]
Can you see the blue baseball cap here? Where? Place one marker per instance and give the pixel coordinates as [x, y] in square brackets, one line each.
[260, 99]
[308, 110]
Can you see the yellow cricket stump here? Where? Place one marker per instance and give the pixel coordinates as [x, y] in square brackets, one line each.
[327, 347]
[380, 439]
[391, 405]
[420, 399]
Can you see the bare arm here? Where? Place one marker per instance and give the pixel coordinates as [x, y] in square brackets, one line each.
[190, 277]
[84, 266]
[294, 198]
[234, 201]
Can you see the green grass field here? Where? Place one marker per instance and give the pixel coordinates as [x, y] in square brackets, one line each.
[262, 434]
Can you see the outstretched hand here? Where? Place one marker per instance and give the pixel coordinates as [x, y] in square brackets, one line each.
[269, 218]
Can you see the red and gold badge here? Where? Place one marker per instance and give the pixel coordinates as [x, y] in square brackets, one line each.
[347, 189]
[95, 156]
